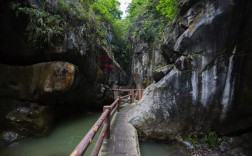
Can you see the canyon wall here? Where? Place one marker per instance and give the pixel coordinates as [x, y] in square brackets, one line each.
[201, 73]
[58, 65]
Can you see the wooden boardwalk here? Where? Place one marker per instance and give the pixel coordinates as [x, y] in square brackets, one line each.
[117, 137]
[123, 140]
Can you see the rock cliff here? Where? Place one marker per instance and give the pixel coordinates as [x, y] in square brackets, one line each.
[206, 86]
[53, 60]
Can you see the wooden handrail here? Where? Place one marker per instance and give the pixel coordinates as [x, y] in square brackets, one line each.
[116, 109]
[139, 90]
[115, 103]
[108, 112]
[87, 140]
[98, 144]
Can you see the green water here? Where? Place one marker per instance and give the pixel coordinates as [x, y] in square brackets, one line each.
[61, 142]
[159, 149]
[65, 137]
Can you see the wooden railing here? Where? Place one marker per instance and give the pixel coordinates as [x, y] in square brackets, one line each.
[132, 92]
[108, 112]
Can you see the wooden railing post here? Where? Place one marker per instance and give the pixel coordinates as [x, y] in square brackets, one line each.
[107, 121]
[139, 94]
[118, 104]
[132, 96]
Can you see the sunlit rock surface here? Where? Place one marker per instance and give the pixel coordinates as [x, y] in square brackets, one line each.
[32, 82]
[208, 90]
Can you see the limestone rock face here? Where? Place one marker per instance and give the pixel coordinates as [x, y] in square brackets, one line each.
[63, 74]
[32, 82]
[205, 91]
[159, 73]
[146, 63]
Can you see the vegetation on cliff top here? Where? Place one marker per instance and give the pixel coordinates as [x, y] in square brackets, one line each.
[146, 20]
[168, 8]
[43, 28]
[48, 23]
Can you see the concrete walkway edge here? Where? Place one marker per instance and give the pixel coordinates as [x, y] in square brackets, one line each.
[124, 138]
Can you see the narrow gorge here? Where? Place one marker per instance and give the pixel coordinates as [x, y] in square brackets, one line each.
[62, 58]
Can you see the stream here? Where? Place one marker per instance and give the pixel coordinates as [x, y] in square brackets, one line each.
[65, 137]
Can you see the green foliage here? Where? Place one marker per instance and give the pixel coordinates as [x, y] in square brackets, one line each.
[73, 10]
[43, 27]
[107, 9]
[107, 12]
[119, 42]
[98, 19]
[146, 21]
[211, 139]
[86, 3]
[101, 17]
[194, 141]
[13, 5]
[137, 7]
[168, 8]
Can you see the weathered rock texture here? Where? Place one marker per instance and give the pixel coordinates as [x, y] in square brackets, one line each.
[64, 76]
[23, 119]
[209, 88]
[147, 63]
[32, 82]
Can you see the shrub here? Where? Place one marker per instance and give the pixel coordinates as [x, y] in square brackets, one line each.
[211, 139]
[168, 8]
[43, 27]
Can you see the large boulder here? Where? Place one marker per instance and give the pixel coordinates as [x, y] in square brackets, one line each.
[32, 82]
[165, 108]
[21, 119]
[30, 120]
